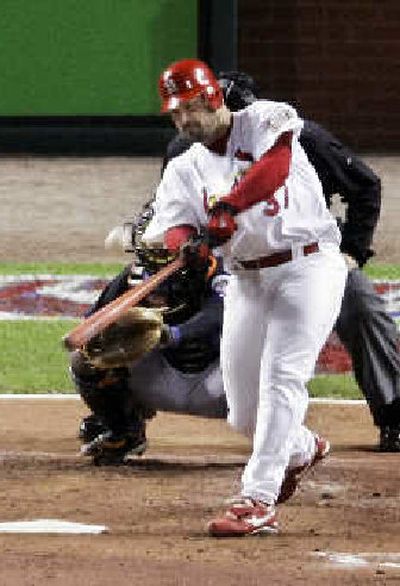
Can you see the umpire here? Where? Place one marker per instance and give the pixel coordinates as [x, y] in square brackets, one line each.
[366, 330]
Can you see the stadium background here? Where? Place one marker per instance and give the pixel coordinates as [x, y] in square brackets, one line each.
[69, 61]
[79, 78]
[81, 141]
[79, 126]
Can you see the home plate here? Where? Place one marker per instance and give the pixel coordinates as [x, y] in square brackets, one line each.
[50, 526]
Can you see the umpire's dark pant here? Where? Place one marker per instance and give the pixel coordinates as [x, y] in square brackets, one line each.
[371, 338]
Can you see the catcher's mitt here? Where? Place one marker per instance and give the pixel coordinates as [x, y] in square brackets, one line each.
[127, 340]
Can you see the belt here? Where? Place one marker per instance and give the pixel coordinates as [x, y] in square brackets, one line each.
[273, 260]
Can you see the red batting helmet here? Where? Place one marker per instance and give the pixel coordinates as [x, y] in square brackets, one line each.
[185, 80]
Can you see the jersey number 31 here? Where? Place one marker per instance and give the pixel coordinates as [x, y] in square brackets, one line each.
[273, 206]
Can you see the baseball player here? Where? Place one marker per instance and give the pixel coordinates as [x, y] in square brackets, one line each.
[366, 330]
[181, 375]
[249, 182]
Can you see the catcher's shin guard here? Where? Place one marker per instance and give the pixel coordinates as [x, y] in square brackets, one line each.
[104, 392]
[115, 428]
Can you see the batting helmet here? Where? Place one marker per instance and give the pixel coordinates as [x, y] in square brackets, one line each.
[187, 79]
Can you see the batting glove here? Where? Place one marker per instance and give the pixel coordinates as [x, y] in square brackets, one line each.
[221, 224]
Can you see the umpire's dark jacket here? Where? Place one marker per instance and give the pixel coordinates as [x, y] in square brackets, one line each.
[341, 171]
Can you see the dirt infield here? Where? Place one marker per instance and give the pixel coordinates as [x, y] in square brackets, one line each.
[156, 507]
[61, 209]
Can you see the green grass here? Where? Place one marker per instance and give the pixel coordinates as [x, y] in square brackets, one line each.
[382, 271]
[32, 359]
[373, 270]
[337, 386]
[95, 269]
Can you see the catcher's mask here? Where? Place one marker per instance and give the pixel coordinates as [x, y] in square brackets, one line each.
[151, 258]
[186, 79]
[181, 295]
[182, 292]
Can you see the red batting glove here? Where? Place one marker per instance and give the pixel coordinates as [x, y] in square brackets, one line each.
[221, 224]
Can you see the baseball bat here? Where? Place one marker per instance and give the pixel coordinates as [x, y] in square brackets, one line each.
[98, 321]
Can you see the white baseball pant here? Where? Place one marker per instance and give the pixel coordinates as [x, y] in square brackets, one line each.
[275, 323]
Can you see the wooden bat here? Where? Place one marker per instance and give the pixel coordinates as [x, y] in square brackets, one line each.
[98, 321]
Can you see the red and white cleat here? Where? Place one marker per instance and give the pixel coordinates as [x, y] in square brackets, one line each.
[246, 516]
[294, 476]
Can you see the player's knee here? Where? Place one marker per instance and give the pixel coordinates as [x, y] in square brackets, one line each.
[84, 376]
[104, 391]
[79, 365]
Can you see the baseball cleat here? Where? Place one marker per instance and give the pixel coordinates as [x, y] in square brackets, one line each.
[246, 516]
[90, 427]
[110, 448]
[294, 476]
[389, 440]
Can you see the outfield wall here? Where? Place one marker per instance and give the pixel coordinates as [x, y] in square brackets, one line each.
[98, 57]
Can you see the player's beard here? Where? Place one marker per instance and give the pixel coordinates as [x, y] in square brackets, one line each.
[194, 133]
[207, 125]
[204, 131]
[199, 133]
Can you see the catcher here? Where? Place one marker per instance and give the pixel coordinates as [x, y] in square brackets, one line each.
[163, 355]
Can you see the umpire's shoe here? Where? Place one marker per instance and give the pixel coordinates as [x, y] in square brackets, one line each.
[389, 440]
[111, 448]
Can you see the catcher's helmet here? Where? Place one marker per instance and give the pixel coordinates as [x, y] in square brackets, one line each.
[183, 292]
[185, 80]
[151, 258]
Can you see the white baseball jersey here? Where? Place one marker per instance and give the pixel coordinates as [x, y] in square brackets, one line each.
[195, 180]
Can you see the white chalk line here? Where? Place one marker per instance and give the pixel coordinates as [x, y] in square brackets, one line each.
[351, 560]
[76, 397]
[6, 455]
[40, 396]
